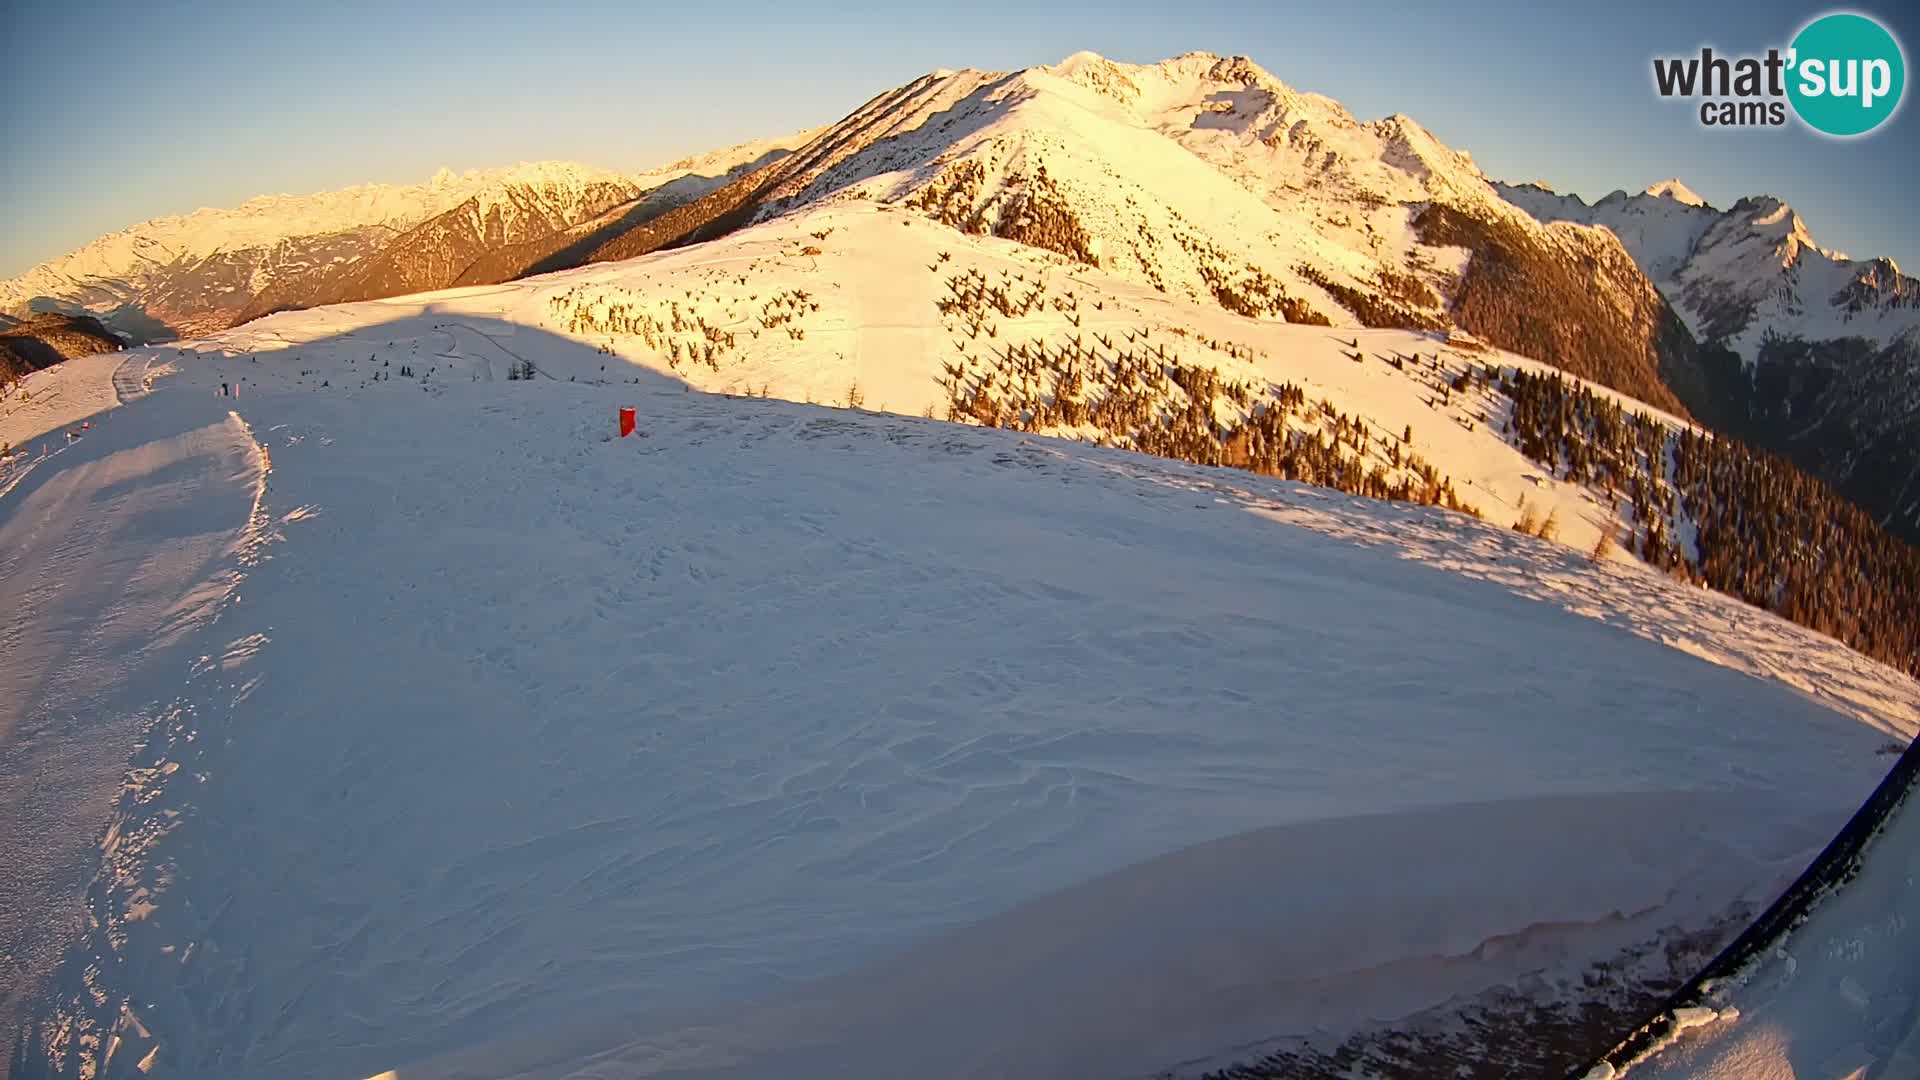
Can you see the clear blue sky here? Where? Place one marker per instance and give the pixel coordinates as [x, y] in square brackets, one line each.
[119, 111]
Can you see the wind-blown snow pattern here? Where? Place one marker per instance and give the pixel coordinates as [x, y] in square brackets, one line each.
[779, 738]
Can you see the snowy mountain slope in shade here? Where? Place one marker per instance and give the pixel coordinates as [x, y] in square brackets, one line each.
[1154, 964]
[44, 340]
[522, 724]
[113, 551]
[1836, 995]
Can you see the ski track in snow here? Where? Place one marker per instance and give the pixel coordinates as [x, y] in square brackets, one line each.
[111, 553]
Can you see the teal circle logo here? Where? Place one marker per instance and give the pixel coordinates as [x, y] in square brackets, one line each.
[1847, 74]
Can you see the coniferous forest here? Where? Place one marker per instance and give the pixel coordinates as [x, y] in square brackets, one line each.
[1716, 512]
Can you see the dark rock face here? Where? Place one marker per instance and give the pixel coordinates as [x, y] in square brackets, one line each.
[41, 341]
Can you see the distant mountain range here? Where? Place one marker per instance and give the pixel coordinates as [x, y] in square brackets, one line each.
[1804, 351]
[190, 275]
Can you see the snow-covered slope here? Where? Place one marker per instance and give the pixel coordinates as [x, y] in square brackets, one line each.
[486, 724]
[875, 303]
[1835, 993]
[871, 302]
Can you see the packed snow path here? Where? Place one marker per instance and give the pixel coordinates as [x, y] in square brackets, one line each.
[112, 552]
[523, 727]
[131, 378]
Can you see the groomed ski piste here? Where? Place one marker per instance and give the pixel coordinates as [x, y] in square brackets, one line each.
[396, 717]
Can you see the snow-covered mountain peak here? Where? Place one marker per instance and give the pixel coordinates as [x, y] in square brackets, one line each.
[1230, 91]
[1204, 177]
[1672, 188]
[1769, 221]
[1271, 137]
[1444, 171]
[1099, 74]
[1878, 285]
[1084, 61]
[1186, 67]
